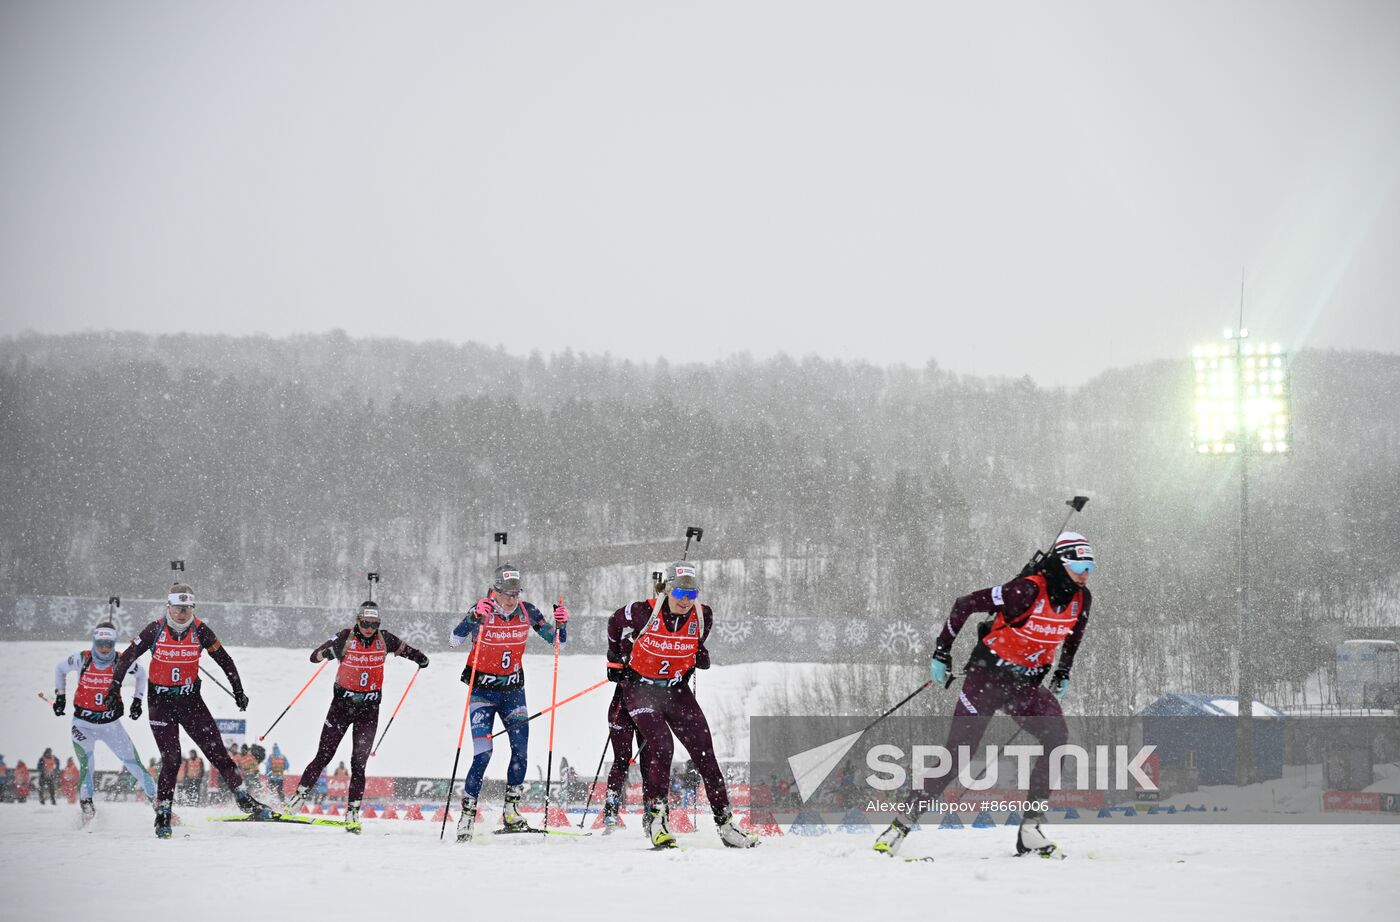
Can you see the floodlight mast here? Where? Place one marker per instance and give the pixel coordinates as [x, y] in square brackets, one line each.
[1244, 738]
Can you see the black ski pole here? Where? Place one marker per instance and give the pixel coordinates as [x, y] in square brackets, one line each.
[218, 683]
[596, 775]
[500, 539]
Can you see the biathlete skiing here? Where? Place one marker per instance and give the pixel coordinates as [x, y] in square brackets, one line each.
[498, 626]
[176, 643]
[97, 711]
[359, 687]
[652, 651]
[1031, 617]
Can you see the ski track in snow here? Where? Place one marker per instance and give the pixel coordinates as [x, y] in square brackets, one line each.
[224, 872]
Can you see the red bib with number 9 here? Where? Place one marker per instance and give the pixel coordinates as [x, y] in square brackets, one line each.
[362, 668]
[663, 654]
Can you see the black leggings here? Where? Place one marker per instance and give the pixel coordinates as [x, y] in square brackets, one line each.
[343, 715]
[168, 715]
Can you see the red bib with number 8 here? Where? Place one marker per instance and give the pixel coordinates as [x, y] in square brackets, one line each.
[663, 654]
[362, 668]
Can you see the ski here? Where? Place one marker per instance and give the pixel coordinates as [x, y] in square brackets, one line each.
[299, 820]
[542, 832]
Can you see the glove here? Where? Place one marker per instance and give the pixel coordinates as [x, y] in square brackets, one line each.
[1059, 685]
[135, 708]
[60, 702]
[561, 614]
[330, 654]
[240, 699]
[615, 672]
[483, 608]
[421, 659]
[938, 670]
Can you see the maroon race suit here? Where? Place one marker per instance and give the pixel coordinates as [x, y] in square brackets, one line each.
[175, 699]
[355, 700]
[1031, 617]
[655, 657]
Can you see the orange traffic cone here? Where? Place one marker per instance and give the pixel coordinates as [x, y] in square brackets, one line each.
[680, 821]
[369, 813]
[441, 816]
[389, 813]
[557, 817]
[320, 810]
[333, 811]
[414, 813]
[599, 824]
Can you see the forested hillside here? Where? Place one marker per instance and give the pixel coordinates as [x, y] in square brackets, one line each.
[281, 469]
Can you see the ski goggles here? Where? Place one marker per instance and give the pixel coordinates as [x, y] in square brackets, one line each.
[685, 593]
[509, 593]
[1079, 566]
[104, 646]
[368, 623]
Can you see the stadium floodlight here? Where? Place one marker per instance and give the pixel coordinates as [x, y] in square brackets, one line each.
[1241, 407]
[1241, 397]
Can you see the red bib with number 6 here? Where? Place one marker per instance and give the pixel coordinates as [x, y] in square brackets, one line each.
[362, 668]
[175, 660]
[663, 654]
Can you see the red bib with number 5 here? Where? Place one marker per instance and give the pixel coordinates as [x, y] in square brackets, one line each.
[175, 660]
[362, 668]
[663, 654]
[500, 642]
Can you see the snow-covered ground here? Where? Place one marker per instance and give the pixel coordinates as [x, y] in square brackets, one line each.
[399, 869]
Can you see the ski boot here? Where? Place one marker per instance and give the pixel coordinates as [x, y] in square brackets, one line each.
[510, 814]
[352, 817]
[611, 809]
[163, 819]
[89, 811]
[250, 804]
[294, 803]
[889, 841]
[655, 826]
[1030, 839]
[466, 821]
[730, 833]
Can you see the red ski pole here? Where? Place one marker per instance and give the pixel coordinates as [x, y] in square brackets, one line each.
[413, 679]
[594, 687]
[294, 700]
[553, 703]
[461, 732]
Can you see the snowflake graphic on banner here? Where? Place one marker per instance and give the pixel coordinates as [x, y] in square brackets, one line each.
[901, 639]
[778, 627]
[265, 622]
[826, 636]
[303, 625]
[857, 632]
[26, 612]
[734, 630]
[418, 633]
[63, 611]
[231, 616]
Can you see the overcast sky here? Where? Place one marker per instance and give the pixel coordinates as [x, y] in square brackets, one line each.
[1008, 188]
